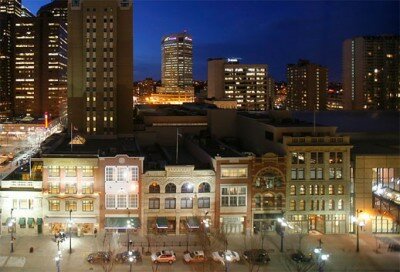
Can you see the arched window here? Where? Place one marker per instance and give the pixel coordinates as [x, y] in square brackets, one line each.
[292, 190]
[187, 188]
[154, 188]
[292, 205]
[331, 204]
[340, 205]
[204, 188]
[302, 205]
[170, 188]
[268, 201]
[340, 189]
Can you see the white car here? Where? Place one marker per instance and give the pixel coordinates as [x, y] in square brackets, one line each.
[221, 256]
[194, 257]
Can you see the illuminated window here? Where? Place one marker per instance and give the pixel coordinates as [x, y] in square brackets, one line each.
[331, 190]
[187, 188]
[231, 171]
[54, 188]
[298, 158]
[54, 171]
[70, 205]
[87, 171]
[340, 190]
[87, 188]
[154, 188]
[204, 187]
[87, 205]
[233, 195]
[133, 201]
[54, 205]
[331, 206]
[340, 204]
[292, 190]
[110, 172]
[322, 189]
[122, 173]
[302, 205]
[71, 188]
[110, 201]
[292, 206]
[134, 173]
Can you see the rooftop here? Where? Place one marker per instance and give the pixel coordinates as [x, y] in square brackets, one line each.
[283, 119]
[59, 144]
[189, 109]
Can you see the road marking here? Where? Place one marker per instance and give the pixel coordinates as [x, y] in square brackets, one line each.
[16, 262]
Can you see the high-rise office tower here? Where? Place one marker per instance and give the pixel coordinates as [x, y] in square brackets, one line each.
[100, 66]
[53, 17]
[247, 84]
[371, 73]
[307, 85]
[40, 71]
[177, 61]
[10, 10]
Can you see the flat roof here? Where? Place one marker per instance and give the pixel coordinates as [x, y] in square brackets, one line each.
[60, 145]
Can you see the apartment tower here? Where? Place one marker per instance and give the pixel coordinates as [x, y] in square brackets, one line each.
[307, 86]
[100, 67]
[371, 73]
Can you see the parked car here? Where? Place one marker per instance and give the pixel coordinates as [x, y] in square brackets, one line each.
[163, 256]
[221, 256]
[299, 257]
[123, 257]
[100, 256]
[194, 257]
[257, 256]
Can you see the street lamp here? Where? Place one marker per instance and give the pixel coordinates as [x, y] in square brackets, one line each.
[358, 223]
[130, 259]
[283, 224]
[58, 260]
[70, 228]
[228, 259]
[321, 258]
[11, 224]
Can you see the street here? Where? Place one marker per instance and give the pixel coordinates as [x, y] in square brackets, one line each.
[373, 255]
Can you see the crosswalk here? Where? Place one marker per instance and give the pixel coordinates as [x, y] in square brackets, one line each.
[7, 261]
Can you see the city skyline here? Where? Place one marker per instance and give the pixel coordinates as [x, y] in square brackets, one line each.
[312, 30]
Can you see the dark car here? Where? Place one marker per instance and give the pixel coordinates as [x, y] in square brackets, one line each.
[299, 257]
[257, 256]
[100, 256]
[123, 257]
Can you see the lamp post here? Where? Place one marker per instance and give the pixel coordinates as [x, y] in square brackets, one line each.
[130, 259]
[11, 224]
[228, 259]
[357, 229]
[321, 258]
[70, 228]
[129, 225]
[283, 224]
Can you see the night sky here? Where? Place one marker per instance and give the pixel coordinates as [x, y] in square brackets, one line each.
[275, 33]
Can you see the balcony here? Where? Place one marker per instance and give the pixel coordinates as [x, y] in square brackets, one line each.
[13, 184]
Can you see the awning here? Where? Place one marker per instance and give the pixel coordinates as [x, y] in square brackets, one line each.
[122, 222]
[75, 220]
[193, 223]
[162, 223]
[22, 221]
[31, 221]
[39, 221]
